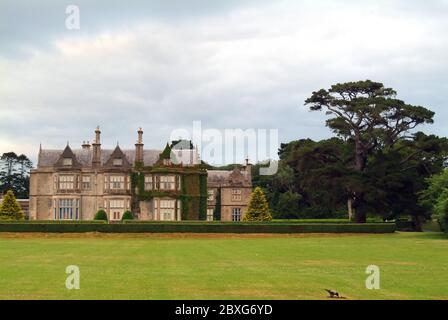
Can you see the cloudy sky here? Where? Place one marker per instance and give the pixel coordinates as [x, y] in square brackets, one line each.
[231, 64]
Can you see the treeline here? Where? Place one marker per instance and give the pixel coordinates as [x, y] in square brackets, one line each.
[375, 165]
[14, 174]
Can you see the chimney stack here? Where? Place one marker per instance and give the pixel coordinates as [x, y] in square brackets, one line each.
[248, 169]
[96, 159]
[139, 147]
[85, 145]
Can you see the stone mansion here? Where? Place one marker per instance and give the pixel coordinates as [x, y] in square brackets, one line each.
[158, 185]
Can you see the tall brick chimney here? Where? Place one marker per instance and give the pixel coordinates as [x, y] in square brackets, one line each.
[248, 169]
[96, 159]
[139, 147]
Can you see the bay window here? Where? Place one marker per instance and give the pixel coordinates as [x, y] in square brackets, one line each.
[66, 209]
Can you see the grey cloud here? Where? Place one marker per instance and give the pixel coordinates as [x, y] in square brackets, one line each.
[163, 65]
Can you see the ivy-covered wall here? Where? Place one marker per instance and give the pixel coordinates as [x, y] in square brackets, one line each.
[193, 191]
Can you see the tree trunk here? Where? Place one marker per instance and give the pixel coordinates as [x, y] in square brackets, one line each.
[360, 164]
[418, 223]
[360, 217]
[350, 209]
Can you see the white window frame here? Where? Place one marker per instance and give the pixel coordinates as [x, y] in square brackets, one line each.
[86, 181]
[66, 182]
[167, 211]
[149, 182]
[116, 182]
[237, 195]
[67, 209]
[210, 214]
[236, 214]
[117, 162]
[67, 162]
[167, 183]
[116, 209]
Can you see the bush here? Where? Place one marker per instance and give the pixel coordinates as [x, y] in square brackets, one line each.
[441, 210]
[127, 216]
[443, 221]
[258, 209]
[101, 215]
[10, 209]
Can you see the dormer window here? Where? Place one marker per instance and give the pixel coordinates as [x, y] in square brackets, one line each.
[67, 161]
[118, 162]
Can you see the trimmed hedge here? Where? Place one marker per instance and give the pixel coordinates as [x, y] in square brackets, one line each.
[405, 225]
[198, 227]
[54, 221]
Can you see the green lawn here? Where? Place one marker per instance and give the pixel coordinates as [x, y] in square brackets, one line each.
[413, 266]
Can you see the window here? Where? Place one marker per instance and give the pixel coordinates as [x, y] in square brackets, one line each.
[236, 214]
[211, 195]
[116, 182]
[67, 209]
[236, 195]
[149, 183]
[67, 161]
[116, 204]
[116, 209]
[66, 182]
[167, 210]
[86, 182]
[118, 162]
[179, 210]
[167, 183]
[210, 214]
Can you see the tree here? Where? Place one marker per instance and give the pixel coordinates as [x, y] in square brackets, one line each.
[369, 115]
[14, 174]
[288, 205]
[10, 209]
[442, 210]
[398, 175]
[437, 185]
[435, 197]
[258, 209]
[101, 215]
[323, 174]
[127, 216]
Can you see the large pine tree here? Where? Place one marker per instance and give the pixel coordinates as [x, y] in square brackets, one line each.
[10, 209]
[258, 209]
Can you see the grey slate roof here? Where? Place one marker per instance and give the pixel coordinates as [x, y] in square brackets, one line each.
[48, 158]
[218, 178]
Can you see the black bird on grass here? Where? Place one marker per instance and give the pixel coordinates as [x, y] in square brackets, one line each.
[333, 294]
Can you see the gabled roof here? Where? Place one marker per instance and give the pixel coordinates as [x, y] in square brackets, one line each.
[67, 154]
[118, 154]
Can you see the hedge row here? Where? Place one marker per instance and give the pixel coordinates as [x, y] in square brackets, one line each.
[199, 227]
[305, 221]
[53, 221]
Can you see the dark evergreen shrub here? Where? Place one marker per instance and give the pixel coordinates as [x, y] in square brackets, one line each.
[100, 215]
[127, 216]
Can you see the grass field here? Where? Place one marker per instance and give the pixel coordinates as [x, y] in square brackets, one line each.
[413, 266]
